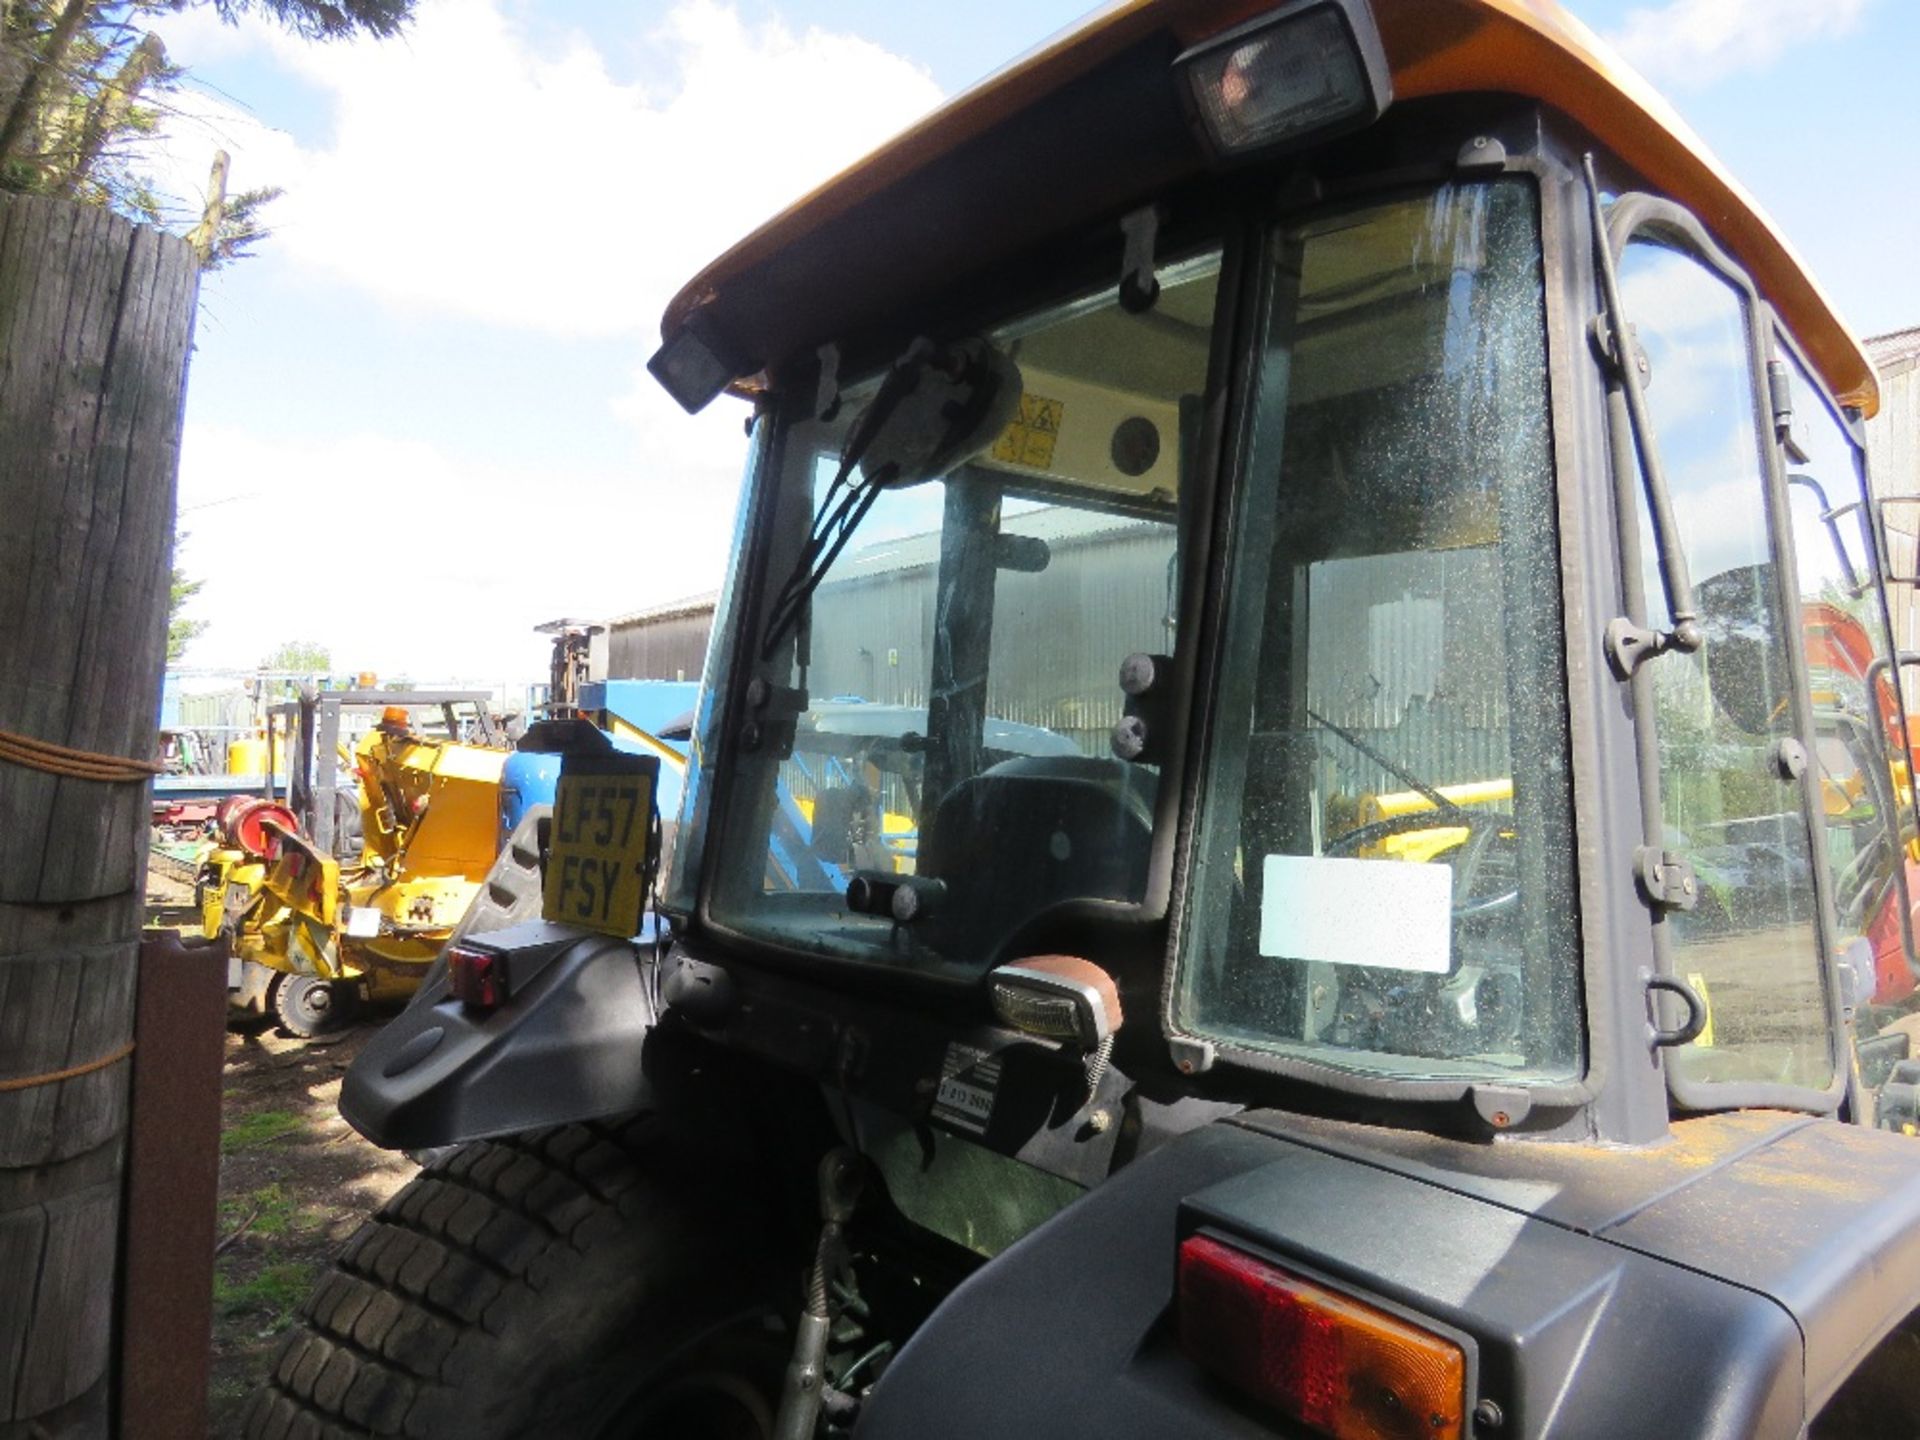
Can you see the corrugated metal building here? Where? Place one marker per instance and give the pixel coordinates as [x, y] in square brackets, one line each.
[1102, 596]
[1893, 455]
[1410, 665]
[666, 642]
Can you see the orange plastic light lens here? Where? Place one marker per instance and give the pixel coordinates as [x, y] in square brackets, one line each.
[1342, 1366]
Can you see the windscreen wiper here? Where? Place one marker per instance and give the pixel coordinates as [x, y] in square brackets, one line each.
[1627, 402]
[952, 402]
[838, 515]
[1399, 772]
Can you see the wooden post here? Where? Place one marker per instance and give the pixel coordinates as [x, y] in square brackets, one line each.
[96, 319]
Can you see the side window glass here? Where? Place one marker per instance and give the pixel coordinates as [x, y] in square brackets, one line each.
[1750, 946]
[1861, 733]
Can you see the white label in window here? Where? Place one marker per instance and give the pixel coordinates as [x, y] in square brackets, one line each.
[1397, 915]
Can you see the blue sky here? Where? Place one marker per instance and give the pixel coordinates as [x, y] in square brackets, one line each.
[425, 396]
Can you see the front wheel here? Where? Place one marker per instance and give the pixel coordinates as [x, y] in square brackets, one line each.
[576, 1282]
[308, 1006]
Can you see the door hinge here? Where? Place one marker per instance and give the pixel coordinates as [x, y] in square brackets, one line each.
[1666, 878]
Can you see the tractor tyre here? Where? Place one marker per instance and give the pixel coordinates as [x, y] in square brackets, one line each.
[584, 1281]
[308, 1006]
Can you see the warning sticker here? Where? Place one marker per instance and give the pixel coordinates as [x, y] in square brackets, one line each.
[969, 1079]
[1029, 438]
[1698, 981]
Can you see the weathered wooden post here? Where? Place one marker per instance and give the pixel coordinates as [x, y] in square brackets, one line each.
[96, 319]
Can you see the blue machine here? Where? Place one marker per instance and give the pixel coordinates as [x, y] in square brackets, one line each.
[642, 717]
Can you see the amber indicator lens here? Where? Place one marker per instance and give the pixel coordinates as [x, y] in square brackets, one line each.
[1324, 1359]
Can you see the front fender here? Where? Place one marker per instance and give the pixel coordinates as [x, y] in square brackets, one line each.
[564, 1046]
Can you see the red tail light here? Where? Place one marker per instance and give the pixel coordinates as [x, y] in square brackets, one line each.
[477, 978]
[1321, 1358]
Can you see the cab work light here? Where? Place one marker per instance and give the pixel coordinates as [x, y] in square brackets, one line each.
[1306, 71]
[1326, 1360]
[691, 365]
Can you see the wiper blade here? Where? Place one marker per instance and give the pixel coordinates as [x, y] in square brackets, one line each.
[1399, 772]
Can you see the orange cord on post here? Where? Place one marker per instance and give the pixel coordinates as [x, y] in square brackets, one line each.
[72, 1072]
[74, 764]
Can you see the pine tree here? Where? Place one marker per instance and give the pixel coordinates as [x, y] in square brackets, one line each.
[83, 83]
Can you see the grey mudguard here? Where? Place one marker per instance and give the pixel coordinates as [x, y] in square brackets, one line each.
[1070, 1331]
[565, 1046]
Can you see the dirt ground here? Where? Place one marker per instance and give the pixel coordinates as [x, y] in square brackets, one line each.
[295, 1182]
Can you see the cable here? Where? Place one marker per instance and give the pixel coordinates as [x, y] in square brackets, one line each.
[28, 1082]
[75, 764]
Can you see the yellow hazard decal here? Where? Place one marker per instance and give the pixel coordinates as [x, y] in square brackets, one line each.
[1699, 983]
[1029, 438]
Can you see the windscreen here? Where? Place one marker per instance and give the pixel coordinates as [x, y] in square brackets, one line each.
[938, 719]
[1383, 876]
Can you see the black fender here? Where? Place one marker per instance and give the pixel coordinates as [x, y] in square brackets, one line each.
[1725, 1283]
[1071, 1331]
[564, 1046]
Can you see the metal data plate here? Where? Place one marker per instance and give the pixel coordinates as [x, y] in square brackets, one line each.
[597, 856]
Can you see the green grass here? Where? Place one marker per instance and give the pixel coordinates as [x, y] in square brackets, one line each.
[260, 1128]
[274, 1293]
[273, 1207]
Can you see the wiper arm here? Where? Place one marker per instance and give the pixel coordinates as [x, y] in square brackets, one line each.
[1399, 772]
[840, 511]
[970, 393]
[1626, 387]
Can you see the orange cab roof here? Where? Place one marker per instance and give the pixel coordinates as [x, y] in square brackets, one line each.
[1530, 48]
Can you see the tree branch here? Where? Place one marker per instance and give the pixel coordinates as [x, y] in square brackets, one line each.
[73, 17]
[109, 109]
[204, 235]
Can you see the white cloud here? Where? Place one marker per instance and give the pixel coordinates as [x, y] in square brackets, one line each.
[404, 561]
[1692, 43]
[467, 172]
[180, 159]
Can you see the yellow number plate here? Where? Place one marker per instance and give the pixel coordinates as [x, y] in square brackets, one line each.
[598, 849]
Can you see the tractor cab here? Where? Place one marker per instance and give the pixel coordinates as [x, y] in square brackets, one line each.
[1299, 817]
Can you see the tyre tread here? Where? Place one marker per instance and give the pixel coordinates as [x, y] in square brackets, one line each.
[434, 1276]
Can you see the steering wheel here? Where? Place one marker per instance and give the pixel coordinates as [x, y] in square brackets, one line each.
[1483, 828]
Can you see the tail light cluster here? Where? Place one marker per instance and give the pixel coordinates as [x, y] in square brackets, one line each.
[477, 978]
[1326, 1360]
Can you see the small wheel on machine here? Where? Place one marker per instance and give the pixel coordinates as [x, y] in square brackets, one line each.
[586, 1282]
[307, 1005]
